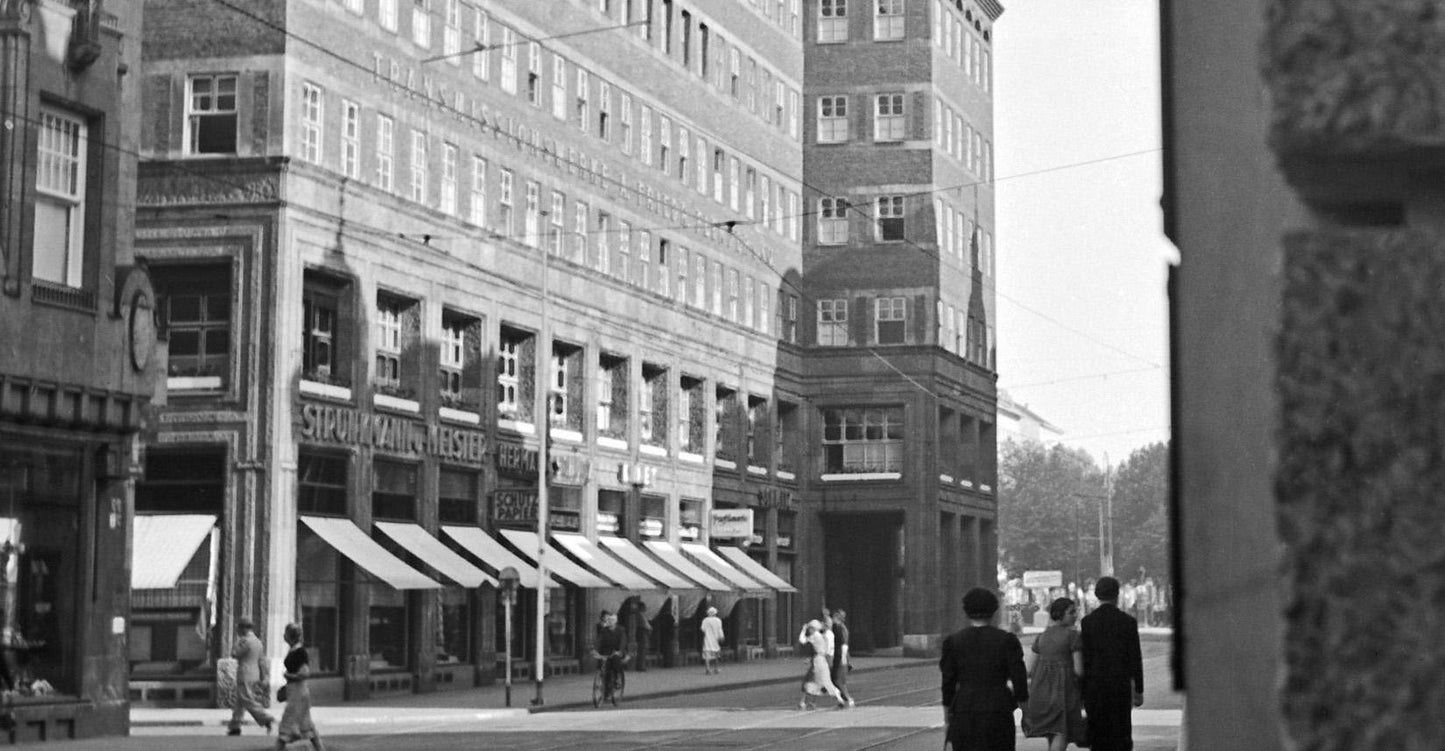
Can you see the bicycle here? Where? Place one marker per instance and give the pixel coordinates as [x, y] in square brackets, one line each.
[601, 692]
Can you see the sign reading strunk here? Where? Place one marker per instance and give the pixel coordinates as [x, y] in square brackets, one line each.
[352, 427]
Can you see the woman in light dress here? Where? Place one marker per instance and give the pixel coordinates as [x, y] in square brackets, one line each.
[819, 677]
[296, 721]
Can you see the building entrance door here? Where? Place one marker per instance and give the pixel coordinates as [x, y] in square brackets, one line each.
[863, 560]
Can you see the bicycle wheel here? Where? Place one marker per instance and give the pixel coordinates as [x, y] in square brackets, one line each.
[597, 689]
[617, 689]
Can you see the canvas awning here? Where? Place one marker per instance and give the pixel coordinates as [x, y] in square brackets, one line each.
[164, 545]
[557, 563]
[738, 557]
[421, 544]
[494, 554]
[602, 562]
[356, 545]
[729, 573]
[674, 558]
[647, 564]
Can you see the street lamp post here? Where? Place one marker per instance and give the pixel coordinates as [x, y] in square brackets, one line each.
[508, 578]
[542, 418]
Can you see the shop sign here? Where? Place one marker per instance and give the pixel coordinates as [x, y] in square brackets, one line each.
[607, 522]
[514, 506]
[775, 498]
[519, 461]
[650, 527]
[1039, 579]
[731, 523]
[688, 532]
[352, 427]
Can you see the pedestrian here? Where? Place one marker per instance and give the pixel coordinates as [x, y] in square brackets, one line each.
[1113, 670]
[609, 650]
[819, 676]
[296, 721]
[641, 632]
[983, 679]
[1054, 710]
[253, 690]
[841, 662]
[712, 639]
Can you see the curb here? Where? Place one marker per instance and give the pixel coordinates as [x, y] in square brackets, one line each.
[716, 687]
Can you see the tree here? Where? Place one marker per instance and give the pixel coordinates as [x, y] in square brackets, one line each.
[1048, 509]
[1141, 514]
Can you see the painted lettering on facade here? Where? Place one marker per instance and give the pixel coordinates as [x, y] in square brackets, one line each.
[352, 427]
[520, 506]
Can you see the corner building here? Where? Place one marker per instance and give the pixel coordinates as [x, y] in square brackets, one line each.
[378, 229]
[79, 364]
[898, 268]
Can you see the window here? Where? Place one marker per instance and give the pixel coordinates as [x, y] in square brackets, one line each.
[509, 375]
[888, 118]
[833, 323]
[626, 134]
[888, 20]
[725, 411]
[564, 359]
[684, 155]
[482, 58]
[752, 85]
[211, 114]
[418, 166]
[534, 74]
[732, 312]
[780, 97]
[321, 483]
[449, 179]
[644, 259]
[311, 109]
[832, 221]
[321, 305]
[702, 50]
[583, 104]
[452, 35]
[717, 288]
[391, 313]
[735, 183]
[579, 232]
[664, 144]
[624, 250]
[509, 60]
[385, 128]
[453, 356]
[765, 308]
[421, 23]
[788, 311]
[612, 396]
[682, 265]
[890, 218]
[717, 174]
[832, 21]
[559, 87]
[59, 243]
[355, 6]
[750, 193]
[734, 72]
[702, 165]
[386, 14]
[890, 319]
[860, 440]
[603, 261]
[532, 215]
[479, 191]
[757, 426]
[748, 307]
[604, 110]
[394, 490]
[505, 200]
[686, 40]
[350, 139]
[457, 498]
[652, 405]
[644, 146]
[454, 628]
[832, 119]
[194, 309]
[699, 280]
[557, 218]
[689, 413]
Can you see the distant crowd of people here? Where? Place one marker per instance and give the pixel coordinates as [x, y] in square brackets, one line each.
[1148, 601]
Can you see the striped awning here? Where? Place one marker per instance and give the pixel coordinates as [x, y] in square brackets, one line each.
[163, 545]
[729, 573]
[674, 558]
[356, 545]
[494, 554]
[556, 563]
[603, 562]
[738, 557]
[421, 544]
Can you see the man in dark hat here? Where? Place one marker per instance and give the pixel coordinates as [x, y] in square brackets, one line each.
[1113, 670]
[983, 679]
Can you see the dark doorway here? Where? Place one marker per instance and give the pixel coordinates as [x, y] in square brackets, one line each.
[860, 552]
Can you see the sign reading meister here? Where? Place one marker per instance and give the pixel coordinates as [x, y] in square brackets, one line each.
[352, 427]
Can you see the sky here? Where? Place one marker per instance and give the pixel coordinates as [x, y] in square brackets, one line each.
[1081, 256]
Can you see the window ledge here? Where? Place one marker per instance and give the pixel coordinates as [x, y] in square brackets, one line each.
[782, 475]
[327, 390]
[459, 415]
[862, 476]
[525, 428]
[724, 463]
[193, 383]
[387, 401]
[688, 456]
[611, 443]
[756, 470]
[651, 450]
[566, 434]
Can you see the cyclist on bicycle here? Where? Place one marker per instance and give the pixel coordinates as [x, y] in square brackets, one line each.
[609, 646]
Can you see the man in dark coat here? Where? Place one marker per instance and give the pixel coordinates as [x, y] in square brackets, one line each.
[1113, 670]
[983, 679]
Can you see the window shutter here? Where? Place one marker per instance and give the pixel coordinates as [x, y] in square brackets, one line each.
[860, 321]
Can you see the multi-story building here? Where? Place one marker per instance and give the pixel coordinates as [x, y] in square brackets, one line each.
[899, 278]
[395, 243]
[79, 363]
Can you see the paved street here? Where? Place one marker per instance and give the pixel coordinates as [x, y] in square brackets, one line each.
[748, 706]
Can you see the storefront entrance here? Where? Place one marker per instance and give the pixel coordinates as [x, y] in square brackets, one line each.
[863, 559]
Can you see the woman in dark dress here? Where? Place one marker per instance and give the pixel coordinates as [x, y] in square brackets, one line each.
[983, 679]
[1055, 708]
[296, 721]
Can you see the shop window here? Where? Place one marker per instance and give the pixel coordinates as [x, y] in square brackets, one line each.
[787, 537]
[194, 309]
[564, 508]
[652, 405]
[388, 627]
[457, 494]
[612, 388]
[454, 626]
[689, 519]
[757, 431]
[890, 319]
[394, 490]
[611, 512]
[171, 629]
[321, 483]
[211, 114]
[653, 524]
[726, 438]
[60, 191]
[460, 365]
[323, 342]
[562, 622]
[859, 440]
[183, 482]
[516, 362]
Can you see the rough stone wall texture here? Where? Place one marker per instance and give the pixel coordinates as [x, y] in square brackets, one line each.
[1361, 476]
[1352, 75]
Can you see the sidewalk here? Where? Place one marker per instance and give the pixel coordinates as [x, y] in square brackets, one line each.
[558, 692]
